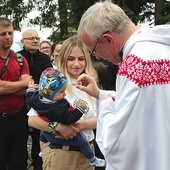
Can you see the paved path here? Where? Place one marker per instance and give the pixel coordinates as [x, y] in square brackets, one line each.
[29, 153]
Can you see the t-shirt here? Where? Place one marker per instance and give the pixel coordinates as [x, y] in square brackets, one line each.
[12, 103]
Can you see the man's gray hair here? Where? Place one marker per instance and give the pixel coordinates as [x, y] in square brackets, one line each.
[102, 17]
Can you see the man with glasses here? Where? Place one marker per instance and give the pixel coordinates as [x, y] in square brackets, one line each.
[38, 62]
[133, 129]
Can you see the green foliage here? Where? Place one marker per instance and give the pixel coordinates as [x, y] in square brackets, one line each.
[15, 10]
[138, 10]
[48, 17]
[76, 10]
[165, 14]
[64, 15]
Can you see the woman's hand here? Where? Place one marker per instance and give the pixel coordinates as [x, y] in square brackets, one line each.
[88, 84]
[66, 131]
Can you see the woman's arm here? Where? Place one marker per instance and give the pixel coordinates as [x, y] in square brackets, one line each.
[66, 131]
[37, 123]
[87, 124]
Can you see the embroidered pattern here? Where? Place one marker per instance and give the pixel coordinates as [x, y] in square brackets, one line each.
[145, 73]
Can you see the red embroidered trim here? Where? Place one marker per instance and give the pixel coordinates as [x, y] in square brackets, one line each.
[145, 73]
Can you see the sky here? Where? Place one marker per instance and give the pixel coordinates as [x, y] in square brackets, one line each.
[43, 33]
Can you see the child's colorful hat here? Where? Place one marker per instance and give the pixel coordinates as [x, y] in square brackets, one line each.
[51, 81]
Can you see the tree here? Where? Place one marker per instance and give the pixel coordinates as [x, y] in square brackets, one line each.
[159, 5]
[16, 11]
[138, 10]
[64, 15]
[164, 16]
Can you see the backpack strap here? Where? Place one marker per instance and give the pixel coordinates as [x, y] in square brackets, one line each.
[4, 68]
[20, 59]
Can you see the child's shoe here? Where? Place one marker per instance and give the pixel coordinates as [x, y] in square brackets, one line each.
[40, 154]
[97, 162]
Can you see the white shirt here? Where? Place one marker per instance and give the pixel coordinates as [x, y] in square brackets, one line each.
[134, 131]
[91, 107]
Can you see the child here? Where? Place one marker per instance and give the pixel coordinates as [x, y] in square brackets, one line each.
[51, 106]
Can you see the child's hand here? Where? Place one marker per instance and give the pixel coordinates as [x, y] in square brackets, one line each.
[31, 84]
[81, 104]
[36, 86]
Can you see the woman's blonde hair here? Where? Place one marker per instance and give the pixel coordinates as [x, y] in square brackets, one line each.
[67, 46]
[64, 53]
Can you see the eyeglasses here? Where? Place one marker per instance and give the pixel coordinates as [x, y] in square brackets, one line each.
[44, 48]
[32, 38]
[93, 52]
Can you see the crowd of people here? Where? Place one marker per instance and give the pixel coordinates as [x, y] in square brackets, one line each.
[41, 55]
[97, 100]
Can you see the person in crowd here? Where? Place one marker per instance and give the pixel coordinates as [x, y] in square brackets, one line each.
[56, 47]
[111, 69]
[37, 62]
[45, 47]
[133, 126]
[50, 104]
[100, 75]
[73, 60]
[14, 80]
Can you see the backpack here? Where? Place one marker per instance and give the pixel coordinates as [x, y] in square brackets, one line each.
[20, 59]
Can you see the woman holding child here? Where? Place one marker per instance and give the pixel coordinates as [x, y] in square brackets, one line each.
[73, 60]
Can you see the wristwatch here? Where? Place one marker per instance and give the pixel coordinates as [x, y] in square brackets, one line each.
[51, 126]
